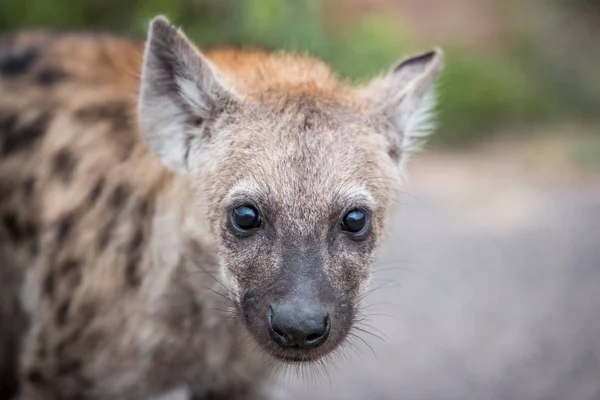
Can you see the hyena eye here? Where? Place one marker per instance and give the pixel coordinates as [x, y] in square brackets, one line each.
[245, 218]
[355, 221]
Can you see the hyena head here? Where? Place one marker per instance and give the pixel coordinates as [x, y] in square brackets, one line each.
[294, 177]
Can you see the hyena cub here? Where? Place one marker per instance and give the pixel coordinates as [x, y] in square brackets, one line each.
[194, 227]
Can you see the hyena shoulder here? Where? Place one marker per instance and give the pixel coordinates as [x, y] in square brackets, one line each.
[74, 215]
[68, 141]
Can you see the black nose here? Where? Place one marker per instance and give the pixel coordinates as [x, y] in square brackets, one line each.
[298, 325]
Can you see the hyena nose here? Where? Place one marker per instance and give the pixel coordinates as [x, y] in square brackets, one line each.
[304, 327]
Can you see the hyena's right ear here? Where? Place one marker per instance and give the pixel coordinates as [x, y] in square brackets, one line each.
[405, 96]
[180, 91]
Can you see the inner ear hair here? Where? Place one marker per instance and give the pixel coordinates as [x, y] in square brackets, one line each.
[180, 90]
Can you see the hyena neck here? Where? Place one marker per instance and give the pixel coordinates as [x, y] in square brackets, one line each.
[183, 261]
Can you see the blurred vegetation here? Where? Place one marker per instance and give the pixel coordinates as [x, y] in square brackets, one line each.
[480, 91]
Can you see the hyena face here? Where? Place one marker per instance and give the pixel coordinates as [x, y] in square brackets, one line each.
[294, 180]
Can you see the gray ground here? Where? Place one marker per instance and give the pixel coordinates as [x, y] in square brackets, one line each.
[495, 292]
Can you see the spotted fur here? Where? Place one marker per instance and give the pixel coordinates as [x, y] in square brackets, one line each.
[120, 275]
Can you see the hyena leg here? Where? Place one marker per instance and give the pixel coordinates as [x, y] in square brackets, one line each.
[35, 381]
[48, 371]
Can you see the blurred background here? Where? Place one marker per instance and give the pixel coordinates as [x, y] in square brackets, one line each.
[489, 286]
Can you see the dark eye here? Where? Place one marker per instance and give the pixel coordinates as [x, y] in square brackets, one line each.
[355, 221]
[245, 217]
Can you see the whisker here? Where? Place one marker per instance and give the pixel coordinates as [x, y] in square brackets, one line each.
[421, 274]
[353, 347]
[373, 290]
[208, 273]
[228, 313]
[365, 342]
[375, 329]
[379, 303]
[219, 294]
[369, 333]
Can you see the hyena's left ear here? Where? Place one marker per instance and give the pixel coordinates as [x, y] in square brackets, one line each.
[405, 96]
[180, 91]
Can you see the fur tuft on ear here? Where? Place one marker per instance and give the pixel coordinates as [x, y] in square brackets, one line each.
[180, 91]
[406, 97]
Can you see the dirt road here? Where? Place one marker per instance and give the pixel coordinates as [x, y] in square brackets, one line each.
[491, 290]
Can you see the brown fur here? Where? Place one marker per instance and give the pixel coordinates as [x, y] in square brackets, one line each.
[113, 264]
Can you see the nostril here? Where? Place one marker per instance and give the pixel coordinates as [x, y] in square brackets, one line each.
[313, 337]
[279, 332]
[276, 333]
[318, 336]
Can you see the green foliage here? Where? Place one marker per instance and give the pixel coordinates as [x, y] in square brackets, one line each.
[587, 153]
[482, 92]
[372, 47]
[580, 4]
[478, 93]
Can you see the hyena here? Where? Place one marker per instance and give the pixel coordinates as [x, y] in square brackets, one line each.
[178, 219]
